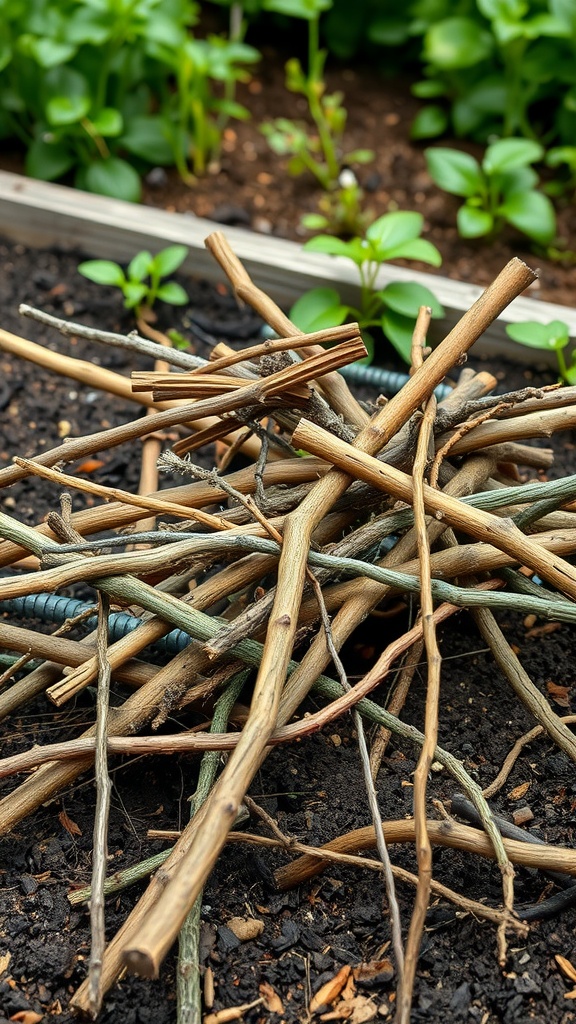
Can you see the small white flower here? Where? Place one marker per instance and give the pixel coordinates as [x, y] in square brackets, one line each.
[347, 178]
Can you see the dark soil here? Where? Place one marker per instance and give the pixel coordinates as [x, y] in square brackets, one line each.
[314, 788]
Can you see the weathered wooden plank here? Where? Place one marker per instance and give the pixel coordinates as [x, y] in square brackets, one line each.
[41, 214]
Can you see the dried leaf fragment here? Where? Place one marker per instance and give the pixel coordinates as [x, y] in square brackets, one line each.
[27, 1017]
[518, 792]
[230, 1013]
[272, 1000]
[567, 969]
[560, 694]
[329, 992]
[374, 970]
[71, 827]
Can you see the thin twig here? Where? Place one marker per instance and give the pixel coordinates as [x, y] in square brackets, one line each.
[103, 790]
[423, 846]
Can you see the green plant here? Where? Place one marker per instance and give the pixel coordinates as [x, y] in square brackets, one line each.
[341, 211]
[554, 335]
[506, 67]
[142, 284]
[321, 152]
[193, 114]
[498, 191]
[77, 79]
[85, 83]
[393, 308]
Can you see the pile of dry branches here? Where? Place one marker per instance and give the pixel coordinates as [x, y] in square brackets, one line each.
[327, 485]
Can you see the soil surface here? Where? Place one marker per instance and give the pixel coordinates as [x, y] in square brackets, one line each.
[314, 788]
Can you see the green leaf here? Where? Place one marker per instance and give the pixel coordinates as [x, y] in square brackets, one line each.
[314, 222]
[554, 335]
[428, 89]
[406, 297]
[398, 329]
[149, 138]
[48, 160]
[48, 53]
[140, 266]
[108, 122]
[473, 222]
[562, 155]
[173, 293]
[169, 259]
[508, 154]
[360, 156]
[419, 249]
[317, 309]
[532, 213]
[456, 43]
[103, 272]
[308, 9]
[336, 247]
[394, 230]
[429, 122]
[134, 293]
[112, 177]
[65, 110]
[454, 171]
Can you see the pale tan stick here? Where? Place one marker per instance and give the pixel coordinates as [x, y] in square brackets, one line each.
[168, 508]
[534, 424]
[117, 515]
[443, 833]
[286, 384]
[395, 705]
[67, 366]
[67, 652]
[423, 845]
[100, 836]
[198, 742]
[512, 756]
[479, 910]
[106, 380]
[443, 451]
[484, 526]
[151, 445]
[333, 384]
[330, 335]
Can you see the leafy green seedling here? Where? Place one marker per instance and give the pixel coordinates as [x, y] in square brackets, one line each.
[393, 308]
[500, 190]
[341, 211]
[319, 152]
[555, 336]
[142, 283]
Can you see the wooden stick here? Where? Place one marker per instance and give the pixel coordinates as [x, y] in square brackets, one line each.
[67, 652]
[194, 495]
[334, 386]
[167, 508]
[422, 839]
[502, 533]
[443, 833]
